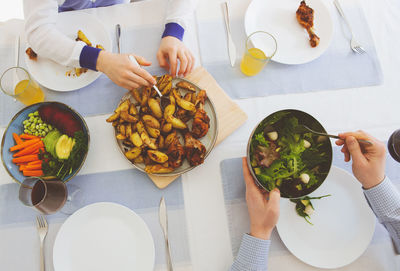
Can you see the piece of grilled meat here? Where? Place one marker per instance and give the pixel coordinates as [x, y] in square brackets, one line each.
[176, 154]
[305, 17]
[194, 149]
[201, 121]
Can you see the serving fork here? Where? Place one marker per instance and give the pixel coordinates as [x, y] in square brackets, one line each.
[42, 228]
[355, 46]
[303, 128]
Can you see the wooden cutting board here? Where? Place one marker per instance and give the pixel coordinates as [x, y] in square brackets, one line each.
[229, 115]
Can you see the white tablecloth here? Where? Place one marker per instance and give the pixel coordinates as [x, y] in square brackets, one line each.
[374, 109]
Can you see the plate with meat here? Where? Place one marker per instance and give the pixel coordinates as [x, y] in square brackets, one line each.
[79, 26]
[166, 136]
[303, 29]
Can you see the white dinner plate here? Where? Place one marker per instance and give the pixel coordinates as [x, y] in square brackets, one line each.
[278, 17]
[343, 224]
[102, 237]
[53, 75]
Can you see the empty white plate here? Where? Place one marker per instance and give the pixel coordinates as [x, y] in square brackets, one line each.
[102, 237]
[53, 75]
[278, 17]
[343, 224]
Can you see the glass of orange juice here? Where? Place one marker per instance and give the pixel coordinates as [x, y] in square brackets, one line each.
[260, 48]
[18, 83]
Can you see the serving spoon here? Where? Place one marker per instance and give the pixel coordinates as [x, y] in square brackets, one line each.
[301, 128]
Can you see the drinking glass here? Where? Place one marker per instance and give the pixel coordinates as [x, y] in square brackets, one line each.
[260, 48]
[46, 196]
[394, 145]
[19, 84]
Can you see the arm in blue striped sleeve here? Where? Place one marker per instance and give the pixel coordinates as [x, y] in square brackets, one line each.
[384, 200]
[252, 255]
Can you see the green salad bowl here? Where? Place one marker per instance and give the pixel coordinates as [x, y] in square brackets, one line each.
[282, 154]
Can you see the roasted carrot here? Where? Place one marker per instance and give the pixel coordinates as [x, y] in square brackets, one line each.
[35, 163]
[22, 167]
[26, 158]
[26, 136]
[30, 149]
[35, 173]
[33, 167]
[17, 139]
[25, 144]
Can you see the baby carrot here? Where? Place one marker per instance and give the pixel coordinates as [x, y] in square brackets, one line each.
[25, 144]
[26, 136]
[17, 139]
[35, 173]
[22, 167]
[30, 149]
[26, 158]
[35, 163]
[33, 167]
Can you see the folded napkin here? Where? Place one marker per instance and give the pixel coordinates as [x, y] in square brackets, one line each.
[337, 68]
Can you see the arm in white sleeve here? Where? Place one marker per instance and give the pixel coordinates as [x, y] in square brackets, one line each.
[179, 14]
[384, 200]
[252, 255]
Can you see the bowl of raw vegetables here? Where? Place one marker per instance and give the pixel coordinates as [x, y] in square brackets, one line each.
[46, 140]
[282, 154]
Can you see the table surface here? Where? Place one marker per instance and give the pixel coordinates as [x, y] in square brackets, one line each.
[373, 109]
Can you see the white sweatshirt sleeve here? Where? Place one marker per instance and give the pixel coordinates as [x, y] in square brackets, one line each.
[180, 11]
[43, 36]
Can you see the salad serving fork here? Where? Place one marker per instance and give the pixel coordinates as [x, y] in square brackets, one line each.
[355, 46]
[42, 228]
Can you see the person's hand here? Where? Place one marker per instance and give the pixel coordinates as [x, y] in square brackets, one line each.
[368, 160]
[263, 206]
[120, 69]
[171, 49]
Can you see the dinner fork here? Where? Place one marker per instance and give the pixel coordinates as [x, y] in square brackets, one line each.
[42, 228]
[355, 46]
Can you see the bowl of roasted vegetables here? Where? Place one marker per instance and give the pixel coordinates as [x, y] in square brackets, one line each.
[47, 140]
[282, 154]
[166, 135]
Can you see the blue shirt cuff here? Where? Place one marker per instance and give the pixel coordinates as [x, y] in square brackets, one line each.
[174, 30]
[252, 255]
[88, 57]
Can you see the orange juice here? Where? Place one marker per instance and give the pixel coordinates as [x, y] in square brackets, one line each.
[28, 92]
[253, 61]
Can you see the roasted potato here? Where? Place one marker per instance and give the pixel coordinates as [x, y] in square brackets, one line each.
[157, 156]
[147, 141]
[155, 108]
[121, 137]
[138, 159]
[140, 127]
[184, 103]
[113, 117]
[128, 118]
[124, 106]
[128, 130]
[145, 96]
[122, 129]
[82, 37]
[153, 132]
[151, 121]
[136, 95]
[169, 111]
[160, 142]
[158, 169]
[133, 153]
[132, 110]
[170, 138]
[136, 139]
[167, 127]
[176, 123]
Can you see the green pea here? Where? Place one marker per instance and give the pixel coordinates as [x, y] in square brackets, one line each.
[46, 130]
[36, 134]
[36, 113]
[26, 131]
[30, 115]
[40, 121]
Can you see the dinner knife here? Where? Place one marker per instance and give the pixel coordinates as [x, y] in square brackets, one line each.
[164, 225]
[231, 44]
[132, 59]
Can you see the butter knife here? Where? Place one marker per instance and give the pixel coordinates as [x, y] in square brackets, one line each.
[231, 44]
[132, 59]
[164, 225]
